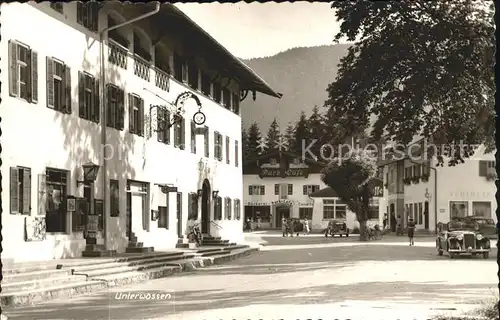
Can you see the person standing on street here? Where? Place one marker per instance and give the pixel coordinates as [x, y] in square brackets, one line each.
[283, 227]
[384, 222]
[306, 226]
[411, 231]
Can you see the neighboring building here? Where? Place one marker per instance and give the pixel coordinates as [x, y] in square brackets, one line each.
[328, 206]
[51, 112]
[412, 190]
[280, 184]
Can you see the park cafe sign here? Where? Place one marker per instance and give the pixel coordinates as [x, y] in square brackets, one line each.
[283, 173]
[282, 201]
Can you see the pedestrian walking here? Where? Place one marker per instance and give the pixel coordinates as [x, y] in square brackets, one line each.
[284, 227]
[384, 222]
[393, 222]
[252, 225]
[411, 231]
[259, 220]
[306, 226]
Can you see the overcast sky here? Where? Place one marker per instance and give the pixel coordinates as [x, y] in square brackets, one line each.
[251, 30]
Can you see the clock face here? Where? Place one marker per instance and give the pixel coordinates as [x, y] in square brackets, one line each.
[199, 118]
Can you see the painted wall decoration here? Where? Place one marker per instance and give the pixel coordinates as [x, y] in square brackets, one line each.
[35, 229]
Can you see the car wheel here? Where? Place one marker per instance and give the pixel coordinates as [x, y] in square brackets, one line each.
[486, 255]
[440, 252]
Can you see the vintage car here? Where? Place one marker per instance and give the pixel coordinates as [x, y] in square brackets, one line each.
[461, 236]
[337, 227]
[487, 226]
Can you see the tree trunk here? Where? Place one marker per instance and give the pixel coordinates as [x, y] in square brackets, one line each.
[363, 231]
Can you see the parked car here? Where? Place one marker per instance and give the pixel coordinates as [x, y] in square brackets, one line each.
[337, 227]
[487, 226]
[462, 236]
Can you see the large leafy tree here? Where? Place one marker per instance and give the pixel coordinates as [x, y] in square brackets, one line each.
[254, 138]
[273, 138]
[422, 68]
[350, 178]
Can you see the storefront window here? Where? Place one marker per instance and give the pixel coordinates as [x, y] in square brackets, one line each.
[481, 208]
[253, 212]
[459, 209]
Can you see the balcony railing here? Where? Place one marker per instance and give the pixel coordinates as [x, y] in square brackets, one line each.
[162, 79]
[142, 68]
[117, 54]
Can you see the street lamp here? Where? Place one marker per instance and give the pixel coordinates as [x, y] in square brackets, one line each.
[90, 171]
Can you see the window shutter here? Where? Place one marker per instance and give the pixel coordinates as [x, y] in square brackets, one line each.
[182, 133]
[96, 107]
[290, 189]
[93, 15]
[190, 206]
[14, 190]
[304, 189]
[483, 168]
[50, 83]
[81, 95]
[229, 207]
[206, 142]
[141, 117]
[228, 150]
[236, 154]
[131, 122]
[250, 190]
[67, 82]
[14, 76]
[109, 114]
[34, 76]
[262, 190]
[42, 194]
[120, 112]
[26, 191]
[79, 12]
[276, 189]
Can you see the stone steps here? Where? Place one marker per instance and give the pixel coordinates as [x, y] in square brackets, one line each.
[85, 276]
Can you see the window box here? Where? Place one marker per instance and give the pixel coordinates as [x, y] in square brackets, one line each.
[407, 181]
[425, 177]
[415, 179]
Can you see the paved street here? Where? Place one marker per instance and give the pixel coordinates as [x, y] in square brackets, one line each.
[342, 279]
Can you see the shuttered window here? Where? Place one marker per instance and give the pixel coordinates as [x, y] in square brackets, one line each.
[179, 134]
[276, 189]
[58, 85]
[217, 146]
[87, 14]
[206, 142]
[115, 109]
[136, 114]
[88, 97]
[193, 137]
[218, 208]
[236, 154]
[163, 120]
[114, 198]
[228, 208]
[237, 209]
[228, 150]
[20, 190]
[23, 71]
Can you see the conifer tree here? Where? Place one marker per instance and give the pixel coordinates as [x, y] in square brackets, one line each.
[253, 141]
[301, 134]
[273, 137]
[289, 137]
[316, 131]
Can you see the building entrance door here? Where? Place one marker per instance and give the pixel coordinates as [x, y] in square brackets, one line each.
[282, 212]
[426, 215]
[205, 207]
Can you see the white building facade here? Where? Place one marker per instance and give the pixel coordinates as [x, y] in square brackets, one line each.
[431, 194]
[150, 181]
[282, 186]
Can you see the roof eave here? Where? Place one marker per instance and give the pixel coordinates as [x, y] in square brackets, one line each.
[261, 85]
